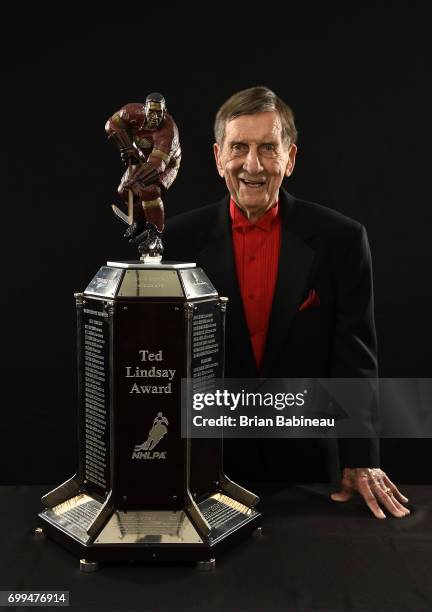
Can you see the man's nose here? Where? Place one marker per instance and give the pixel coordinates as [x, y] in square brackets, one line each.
[252, 163]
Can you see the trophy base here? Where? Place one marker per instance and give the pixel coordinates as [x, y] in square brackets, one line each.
[148, 535]
[142, 491]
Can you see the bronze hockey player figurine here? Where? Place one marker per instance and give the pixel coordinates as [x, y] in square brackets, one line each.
[149, 145]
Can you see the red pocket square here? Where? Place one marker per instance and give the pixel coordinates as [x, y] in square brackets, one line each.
[311, 300]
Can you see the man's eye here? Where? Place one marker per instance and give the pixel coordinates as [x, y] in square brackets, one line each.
[269, 147]
[237, 147]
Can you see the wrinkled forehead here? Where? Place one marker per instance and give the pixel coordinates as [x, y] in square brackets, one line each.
[259, 127]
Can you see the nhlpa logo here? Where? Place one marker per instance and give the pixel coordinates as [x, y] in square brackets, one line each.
[155, 435]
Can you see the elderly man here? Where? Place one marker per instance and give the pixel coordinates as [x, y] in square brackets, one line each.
[298, 277]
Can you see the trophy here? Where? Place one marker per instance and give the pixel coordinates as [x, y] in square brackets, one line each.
[142, 492]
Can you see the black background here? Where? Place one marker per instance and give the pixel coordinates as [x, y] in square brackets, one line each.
[356, 77]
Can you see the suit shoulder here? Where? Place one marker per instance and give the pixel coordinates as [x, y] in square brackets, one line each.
[194, 219]
[326, 220]
[186, 234]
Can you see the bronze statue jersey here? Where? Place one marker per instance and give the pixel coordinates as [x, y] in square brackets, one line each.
[156, 145]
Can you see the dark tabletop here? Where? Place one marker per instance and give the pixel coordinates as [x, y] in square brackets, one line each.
[314, 555]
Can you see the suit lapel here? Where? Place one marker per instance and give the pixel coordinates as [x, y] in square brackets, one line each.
[295, 264]
[216, 256]
[217, 260]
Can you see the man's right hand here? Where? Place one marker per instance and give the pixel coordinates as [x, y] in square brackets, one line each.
[376, 488]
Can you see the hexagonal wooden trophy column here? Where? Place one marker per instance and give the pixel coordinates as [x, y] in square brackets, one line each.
[142, 491]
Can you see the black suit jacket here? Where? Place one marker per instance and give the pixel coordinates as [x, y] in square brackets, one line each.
[320, 249]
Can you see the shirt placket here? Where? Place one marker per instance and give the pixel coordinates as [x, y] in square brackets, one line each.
[253, 288]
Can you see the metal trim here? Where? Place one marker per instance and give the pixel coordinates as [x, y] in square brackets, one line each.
[167, 265]
[69, 488]
[105, 513]
[191, 508]
[110, 308]
[237, 492]
[79, 302]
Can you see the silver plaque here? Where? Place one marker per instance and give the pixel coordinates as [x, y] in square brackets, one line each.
[149, 527]
[225, 515]
[105, 282]
[150, 283]
[74, 516]
[196, 284]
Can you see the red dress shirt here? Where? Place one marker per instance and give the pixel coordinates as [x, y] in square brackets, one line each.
[256, 253]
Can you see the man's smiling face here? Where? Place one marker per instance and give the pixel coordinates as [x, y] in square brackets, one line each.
[253, 160]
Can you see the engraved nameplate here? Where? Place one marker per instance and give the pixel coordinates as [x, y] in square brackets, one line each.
[150, 283]
[96, 394]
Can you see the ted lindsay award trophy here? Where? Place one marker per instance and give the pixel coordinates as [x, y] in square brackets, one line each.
[142, 492]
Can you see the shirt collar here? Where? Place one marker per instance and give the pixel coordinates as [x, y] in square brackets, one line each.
[265, 222]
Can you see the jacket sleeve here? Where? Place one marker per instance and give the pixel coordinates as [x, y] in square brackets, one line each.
[355, 347]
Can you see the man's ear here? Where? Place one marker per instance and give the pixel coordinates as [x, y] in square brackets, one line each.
[291, 160]
[217, 154]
